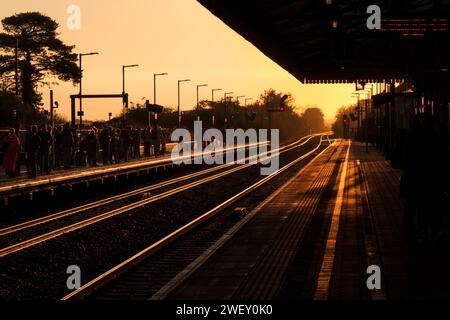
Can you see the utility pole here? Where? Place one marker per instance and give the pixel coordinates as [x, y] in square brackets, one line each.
[80, 113]
[178, 108]
[198, 114]
[123, 90]
[212, 105]
[226, 107]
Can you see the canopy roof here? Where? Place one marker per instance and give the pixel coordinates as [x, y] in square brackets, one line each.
[327, 41]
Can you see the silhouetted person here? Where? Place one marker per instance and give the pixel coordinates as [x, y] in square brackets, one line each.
[136, 137]
[17, 133]
[44, 150]
[12, 143]
[115, 146]
[155, 134]
[92, 147]
[126, 143]
[346, 126]
[105, 142]
[67, 143]
[426, 175]
[33, 144]
[147, 138]
[58, 147]
[163, 140]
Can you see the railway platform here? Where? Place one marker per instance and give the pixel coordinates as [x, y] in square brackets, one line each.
[316, 237]
[84, 176]
[63, 178]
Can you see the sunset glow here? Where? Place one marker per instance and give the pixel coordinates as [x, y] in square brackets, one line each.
[179, 37]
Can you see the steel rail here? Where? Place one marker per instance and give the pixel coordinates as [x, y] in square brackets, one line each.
[111, 274]
[122, 196]
[87, 222]
[106, 170]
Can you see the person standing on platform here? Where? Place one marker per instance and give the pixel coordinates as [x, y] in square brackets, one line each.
[12, 143]
[126, 143]
[32, 147]
[105, 144]
[17, 132]
[58, 147]
[424, 180]
[115, 145]
[163, 140]
[146, 136]
[136, 137]
[155, 140]
[25, 148]
[44, 150]
[67, 142]
[92, 147]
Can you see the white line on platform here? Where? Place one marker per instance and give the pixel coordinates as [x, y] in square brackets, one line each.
[323, 282]
[197, 263]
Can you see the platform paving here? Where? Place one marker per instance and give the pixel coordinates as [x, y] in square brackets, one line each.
[316, 238]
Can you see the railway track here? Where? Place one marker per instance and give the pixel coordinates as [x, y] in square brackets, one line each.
[15, 231]
[146, 272]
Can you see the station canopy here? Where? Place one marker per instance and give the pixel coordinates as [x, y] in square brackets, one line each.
[328, 41]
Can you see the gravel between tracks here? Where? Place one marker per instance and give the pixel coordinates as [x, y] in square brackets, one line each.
[39, 272]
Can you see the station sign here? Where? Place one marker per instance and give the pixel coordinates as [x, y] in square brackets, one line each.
[150, 107]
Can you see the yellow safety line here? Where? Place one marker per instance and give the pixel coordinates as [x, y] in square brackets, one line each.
[323, 282]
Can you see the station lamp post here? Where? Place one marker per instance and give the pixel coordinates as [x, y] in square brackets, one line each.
[198, 86]
[236, 110]
[212, 104]
[369, 91]
[80, 113]
[356, 94]
[154, 94]
[366, 131]
[179, 112]
[123, 88]
[371, 94]
[226, 109]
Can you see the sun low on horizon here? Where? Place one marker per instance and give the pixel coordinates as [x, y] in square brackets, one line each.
[178, 37]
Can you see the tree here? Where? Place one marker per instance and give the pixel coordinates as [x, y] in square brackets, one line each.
[41, 54]
[289, 122]
[314, 119]
[338, 126]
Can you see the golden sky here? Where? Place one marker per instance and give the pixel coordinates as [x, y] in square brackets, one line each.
[179, 37]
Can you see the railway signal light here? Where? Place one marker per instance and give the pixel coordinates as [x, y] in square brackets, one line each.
[277, 105]
[345, 119]
[282, 102]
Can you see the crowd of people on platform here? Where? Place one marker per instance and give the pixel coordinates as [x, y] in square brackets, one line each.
[115, 145]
